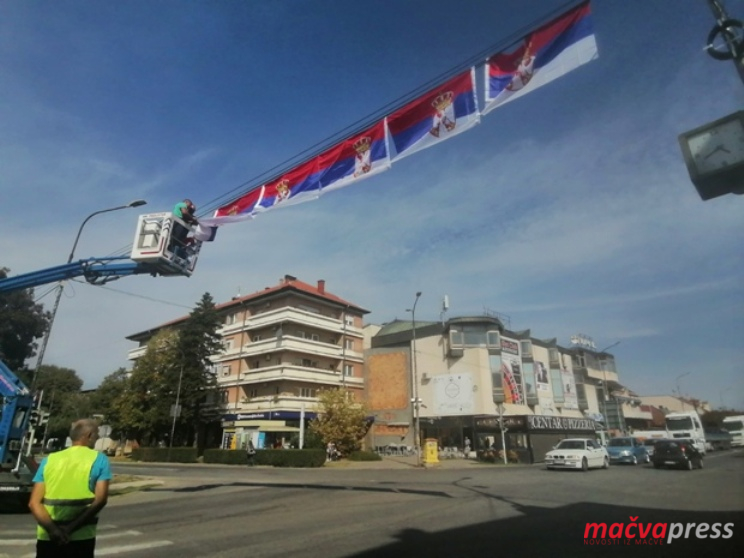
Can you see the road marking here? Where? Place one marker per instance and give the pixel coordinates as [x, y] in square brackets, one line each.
[118, 534]
[131, 548]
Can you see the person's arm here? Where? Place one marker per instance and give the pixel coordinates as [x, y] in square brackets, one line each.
[100, 499]
[41, 515]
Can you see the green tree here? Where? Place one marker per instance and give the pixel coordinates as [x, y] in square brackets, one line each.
[340, 420]
[198, 341]
[103, 399]
[61, 397]
[143, 407]
[22, 322]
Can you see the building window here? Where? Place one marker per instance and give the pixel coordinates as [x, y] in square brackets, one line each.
[456, 338]
[224, 396]
[256, 337]
[301, 334]
[475, 335]
[253, 392]
[230, 319]
[312, 309]
[494, 339]
[349, 344]
[349, 320]
[307, 363]
[307, 392]
[315, 337]
[228, 345]
[348, 369]
[225, 370]
[526, 348]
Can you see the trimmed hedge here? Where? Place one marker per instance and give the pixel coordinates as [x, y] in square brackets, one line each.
[290, 457]
[226, 456]
[177, 455]
[364, 456]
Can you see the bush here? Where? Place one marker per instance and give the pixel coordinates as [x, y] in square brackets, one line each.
[227, 457]
[177, 455]
[364, 456]
[290, 457]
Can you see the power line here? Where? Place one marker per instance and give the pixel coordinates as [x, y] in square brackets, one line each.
[151, 299]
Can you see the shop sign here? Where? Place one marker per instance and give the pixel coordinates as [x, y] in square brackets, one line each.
[541, 422]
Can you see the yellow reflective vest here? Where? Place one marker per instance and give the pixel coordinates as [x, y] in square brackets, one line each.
[67, 490]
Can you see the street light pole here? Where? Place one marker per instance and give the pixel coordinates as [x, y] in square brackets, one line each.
[176, 409]
[61, 286]
[679, 389]
[414, 382]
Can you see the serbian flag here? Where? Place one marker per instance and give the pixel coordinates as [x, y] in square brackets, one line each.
[299, 185]
[354, 159]
[553, 50]
[440, 114]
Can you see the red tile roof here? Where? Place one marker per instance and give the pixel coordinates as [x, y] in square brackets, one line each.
[287, 283]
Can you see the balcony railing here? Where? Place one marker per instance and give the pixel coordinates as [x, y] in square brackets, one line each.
[294, 315]
[293, 373]
[290, 343]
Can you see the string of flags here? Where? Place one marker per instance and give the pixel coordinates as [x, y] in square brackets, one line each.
[551, 51]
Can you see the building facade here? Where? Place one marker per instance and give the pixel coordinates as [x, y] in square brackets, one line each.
[471, 375]
[281, 346]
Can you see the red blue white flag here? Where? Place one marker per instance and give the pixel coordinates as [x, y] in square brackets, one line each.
[298, 185]
[440, 114]
[555, 49]
[356, 158]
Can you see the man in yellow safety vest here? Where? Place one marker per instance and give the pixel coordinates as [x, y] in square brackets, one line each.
[71, 487]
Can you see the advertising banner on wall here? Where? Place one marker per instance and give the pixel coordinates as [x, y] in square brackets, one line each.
[453, 395]
[570, 400]
[544, 392]
[511, 368]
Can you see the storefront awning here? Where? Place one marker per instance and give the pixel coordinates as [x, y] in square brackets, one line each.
[278, 428]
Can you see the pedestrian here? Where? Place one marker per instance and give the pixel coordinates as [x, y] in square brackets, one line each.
[70, 488]
[250, 452]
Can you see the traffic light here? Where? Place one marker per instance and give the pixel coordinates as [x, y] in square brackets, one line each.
[38, 417]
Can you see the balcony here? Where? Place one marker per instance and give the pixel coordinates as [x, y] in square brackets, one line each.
[294, 315]
[295, 373]
[280, 402]
[290, 343]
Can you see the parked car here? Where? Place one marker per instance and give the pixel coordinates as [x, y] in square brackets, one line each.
[677, 453]
[577, 453]
[627, 450]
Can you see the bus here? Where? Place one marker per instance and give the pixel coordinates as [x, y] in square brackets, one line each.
[735, 427]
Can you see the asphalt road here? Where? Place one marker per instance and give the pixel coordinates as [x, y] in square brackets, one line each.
[461, 510]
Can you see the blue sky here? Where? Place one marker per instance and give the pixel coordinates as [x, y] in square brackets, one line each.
[569, 210]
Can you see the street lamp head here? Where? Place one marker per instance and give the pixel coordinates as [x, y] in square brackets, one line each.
[137, 203]
[418, 294]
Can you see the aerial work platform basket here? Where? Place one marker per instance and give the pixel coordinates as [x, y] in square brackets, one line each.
[166, 243]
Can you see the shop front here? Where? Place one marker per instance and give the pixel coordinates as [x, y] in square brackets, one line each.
[529, 437]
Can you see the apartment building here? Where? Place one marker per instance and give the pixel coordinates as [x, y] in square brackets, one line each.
[472, 372]
[281, 346]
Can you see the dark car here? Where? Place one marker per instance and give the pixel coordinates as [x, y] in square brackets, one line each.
[677, 453]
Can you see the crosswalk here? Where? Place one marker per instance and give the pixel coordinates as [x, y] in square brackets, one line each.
[111, 541]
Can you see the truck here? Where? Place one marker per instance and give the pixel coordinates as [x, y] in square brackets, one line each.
[735, 426]
[16, 468]
[686, 424]
[156, 251]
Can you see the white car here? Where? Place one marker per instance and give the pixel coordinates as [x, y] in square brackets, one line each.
[577, 453]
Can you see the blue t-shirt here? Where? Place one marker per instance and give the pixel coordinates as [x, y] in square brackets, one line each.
[101, 471]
